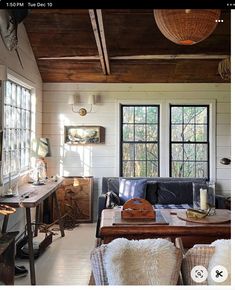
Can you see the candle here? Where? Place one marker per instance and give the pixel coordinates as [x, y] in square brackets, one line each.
[203, 199]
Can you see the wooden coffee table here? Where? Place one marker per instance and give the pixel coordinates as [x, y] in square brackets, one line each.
[190, 232]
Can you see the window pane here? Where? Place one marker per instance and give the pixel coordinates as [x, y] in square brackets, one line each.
[189, 169]
[189, 133]
[14, 117]
[140, 168]
[189, 151]
[6, 136]
[176, 115]
[201, 133]
[152, 151]
[140, 114]
[201, 152]
[140, 133]
[28, 101]
[177, 152]
[18, 118]
[128, 151]
[8, 93]
[7, 116]
[152, 133]
[27, 120]
[177, 169]
[176, 133]
[140, 152]
[23, 98]
[152, 169]
[152, 115]
[189, 115]
[128, 168]
[128, 132]
[18, 96]
[13, 95]
[201, 169]
[201, 115]
[128, 114]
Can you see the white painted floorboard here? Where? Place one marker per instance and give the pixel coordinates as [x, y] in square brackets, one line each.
[66, 261]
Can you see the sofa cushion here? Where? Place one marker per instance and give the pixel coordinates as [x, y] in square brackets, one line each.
[129, 188]
[151, 192]
[175, 192]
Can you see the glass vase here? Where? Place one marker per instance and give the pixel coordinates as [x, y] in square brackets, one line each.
[204, 196]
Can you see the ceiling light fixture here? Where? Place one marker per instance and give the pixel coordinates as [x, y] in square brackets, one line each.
[186, 26]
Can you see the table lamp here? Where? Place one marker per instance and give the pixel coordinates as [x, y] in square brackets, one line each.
[40, 149]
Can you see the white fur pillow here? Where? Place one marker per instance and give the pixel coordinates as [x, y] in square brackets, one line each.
[222, 257]
[140, 262]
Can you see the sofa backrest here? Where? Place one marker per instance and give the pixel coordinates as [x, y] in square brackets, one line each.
[162, 190]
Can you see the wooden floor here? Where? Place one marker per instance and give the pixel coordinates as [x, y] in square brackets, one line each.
[66, 261]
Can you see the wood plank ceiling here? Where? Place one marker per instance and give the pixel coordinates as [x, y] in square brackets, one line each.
[79, 45]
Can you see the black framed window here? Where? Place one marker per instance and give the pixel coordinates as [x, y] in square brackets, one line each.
[189, 141]
[139, 140]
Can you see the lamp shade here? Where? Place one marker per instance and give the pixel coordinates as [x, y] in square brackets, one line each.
[73, 100]
[186, 26]
[41, 147]
[91, 100]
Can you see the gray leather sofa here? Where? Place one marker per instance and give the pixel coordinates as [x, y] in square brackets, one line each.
[160, 191]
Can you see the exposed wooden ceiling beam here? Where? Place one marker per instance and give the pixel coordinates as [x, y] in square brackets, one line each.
[89, 57]
[139, 57]
[97, 39]
[103, 40]
[168, 56]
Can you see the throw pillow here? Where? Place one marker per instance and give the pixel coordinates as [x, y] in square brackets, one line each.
[151, 192]
[175, 192]
[130, 188]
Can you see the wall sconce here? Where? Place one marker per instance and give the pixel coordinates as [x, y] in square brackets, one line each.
[74, 102]
[225, 161]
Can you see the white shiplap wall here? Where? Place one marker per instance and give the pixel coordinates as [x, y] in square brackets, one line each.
[103, 159]
[29, 74]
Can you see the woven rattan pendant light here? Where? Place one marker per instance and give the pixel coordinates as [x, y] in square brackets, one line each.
[186, 26]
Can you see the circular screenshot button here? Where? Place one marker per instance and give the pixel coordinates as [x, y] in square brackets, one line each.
[199, 274]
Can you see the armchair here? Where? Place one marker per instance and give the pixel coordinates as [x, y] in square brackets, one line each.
[136, 262]
[208, 256]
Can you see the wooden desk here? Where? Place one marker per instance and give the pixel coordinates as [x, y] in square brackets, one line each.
[37, 194]
[190, 232]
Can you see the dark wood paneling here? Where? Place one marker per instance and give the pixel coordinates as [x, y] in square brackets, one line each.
[128, 32]
[137, 33]
[177, 71]
[61, 34]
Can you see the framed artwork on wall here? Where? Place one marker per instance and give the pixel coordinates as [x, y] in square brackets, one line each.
[76, 135]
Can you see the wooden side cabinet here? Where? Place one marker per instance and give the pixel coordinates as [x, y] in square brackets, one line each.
[7, 258]
[75, 197]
